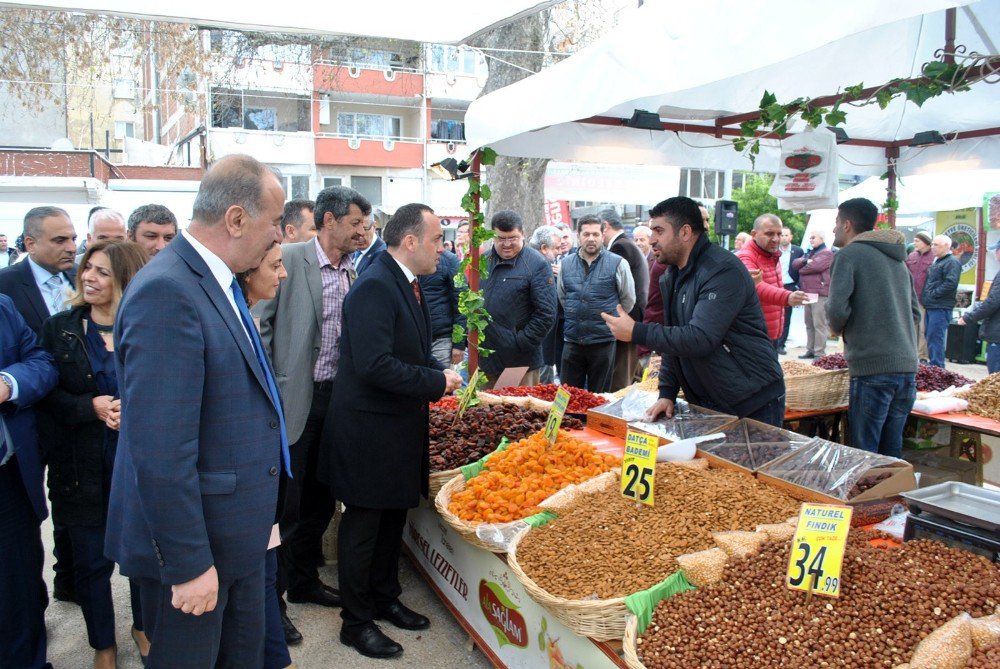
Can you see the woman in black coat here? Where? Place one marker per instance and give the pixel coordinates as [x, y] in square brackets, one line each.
[82, 448]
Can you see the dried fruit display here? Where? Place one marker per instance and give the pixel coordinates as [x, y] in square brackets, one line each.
[752, 445]
[603, 545]
[793, 368]
[446, 402]
[515, 481]
[890, 600]
[832, 361]
[453, 444]
[984, 397]
[579, 399]
[930, 378]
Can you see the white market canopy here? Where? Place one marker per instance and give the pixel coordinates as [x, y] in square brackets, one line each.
[929, 193]
[697, 63]
[444, 21]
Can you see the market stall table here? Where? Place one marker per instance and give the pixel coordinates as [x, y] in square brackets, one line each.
[984, 445]
[828, 424]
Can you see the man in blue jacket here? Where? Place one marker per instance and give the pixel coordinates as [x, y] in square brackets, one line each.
[940, 290]
[27, 374]
[520, 294]
[714, 341]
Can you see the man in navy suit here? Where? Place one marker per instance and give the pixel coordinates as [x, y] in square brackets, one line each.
[39, 286]
[195, 485]
[27, 374]
[373, 246]
[375, 441]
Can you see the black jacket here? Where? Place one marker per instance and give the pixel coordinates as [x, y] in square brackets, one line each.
[988, 311]
[794, 252]
[441, 296]
[70, 428]
[714, 342]
[639, 266]
[520, 295]
[941, 285]
[18, 283]
[366, 260]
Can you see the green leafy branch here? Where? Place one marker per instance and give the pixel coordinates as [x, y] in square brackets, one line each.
[939, 77]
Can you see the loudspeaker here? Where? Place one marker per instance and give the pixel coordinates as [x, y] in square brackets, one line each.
[725, 217]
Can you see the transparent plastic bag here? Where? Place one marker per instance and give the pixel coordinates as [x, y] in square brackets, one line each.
[833, 469]
[636, 403]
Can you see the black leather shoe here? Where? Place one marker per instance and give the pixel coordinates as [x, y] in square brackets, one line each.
[402, 617]
[324, 596]
[292, 634]
[782, 351]
[806, 356]
[370, 642]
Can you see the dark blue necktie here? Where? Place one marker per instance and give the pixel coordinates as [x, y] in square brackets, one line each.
[272, 387]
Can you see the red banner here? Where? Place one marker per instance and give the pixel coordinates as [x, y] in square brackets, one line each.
[557, 211]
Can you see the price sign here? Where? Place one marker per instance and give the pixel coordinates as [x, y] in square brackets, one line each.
[639, 466]
[818, 549]
[556, 414]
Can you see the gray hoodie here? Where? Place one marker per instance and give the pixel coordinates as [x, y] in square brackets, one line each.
[872, 302]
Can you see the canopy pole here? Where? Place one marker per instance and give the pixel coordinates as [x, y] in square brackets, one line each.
[473, 274]
[891, 154]
[950, 15]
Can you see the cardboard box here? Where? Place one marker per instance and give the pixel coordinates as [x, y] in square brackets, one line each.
[920, 433]
[939, 466]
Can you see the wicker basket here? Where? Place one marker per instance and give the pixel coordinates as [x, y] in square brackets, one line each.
[630, 644]
[827, 389]
[436, 481]
[599, 619]
[465, 530]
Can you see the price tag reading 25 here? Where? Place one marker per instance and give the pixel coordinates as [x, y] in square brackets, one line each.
[556, 414]
[818, 549]
[639, 466]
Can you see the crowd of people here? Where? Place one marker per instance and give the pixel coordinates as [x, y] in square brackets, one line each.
[205, 400]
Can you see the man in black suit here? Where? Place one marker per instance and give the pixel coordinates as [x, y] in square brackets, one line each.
[790, 277]
[375, 441]
[39, 287]
[374, 245]
[616, 241]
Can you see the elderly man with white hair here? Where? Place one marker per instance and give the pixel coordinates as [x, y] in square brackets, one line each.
[938, 297]
[103, 224]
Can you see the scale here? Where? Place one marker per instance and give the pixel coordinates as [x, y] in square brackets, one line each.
[957, 514]
[952, 533]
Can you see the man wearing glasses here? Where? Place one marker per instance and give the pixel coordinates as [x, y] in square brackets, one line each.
[520, 295]
[372, 246]
[300, 328]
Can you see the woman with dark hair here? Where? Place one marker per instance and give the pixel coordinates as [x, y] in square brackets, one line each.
[260, 284]
[82, 448]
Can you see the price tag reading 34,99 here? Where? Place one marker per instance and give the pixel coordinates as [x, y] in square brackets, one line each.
[556, 414]
[818, 549]
[639, 466]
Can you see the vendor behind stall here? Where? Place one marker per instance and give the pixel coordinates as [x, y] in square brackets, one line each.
[714, 340]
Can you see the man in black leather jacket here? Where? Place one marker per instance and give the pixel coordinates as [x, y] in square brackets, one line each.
[714, 340]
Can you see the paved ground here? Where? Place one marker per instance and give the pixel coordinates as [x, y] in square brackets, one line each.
[444, 646]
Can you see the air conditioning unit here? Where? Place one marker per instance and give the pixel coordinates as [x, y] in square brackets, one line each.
[353, 143]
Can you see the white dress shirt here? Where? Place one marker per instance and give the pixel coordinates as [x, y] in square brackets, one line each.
[220, 270]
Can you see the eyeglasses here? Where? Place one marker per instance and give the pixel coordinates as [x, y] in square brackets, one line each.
[507, 240]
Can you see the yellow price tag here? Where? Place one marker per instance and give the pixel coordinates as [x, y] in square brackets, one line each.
[639, 466]
[818, 549]
[556, 414]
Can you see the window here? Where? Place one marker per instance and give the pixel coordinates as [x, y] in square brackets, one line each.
[124, 129]
[448, 129]
[252, 110]
[370, 187]
[296, 186]
[124, 89]
[260, 118]
[702, 184]
[447, 59]
[369, 125]
[332, 181]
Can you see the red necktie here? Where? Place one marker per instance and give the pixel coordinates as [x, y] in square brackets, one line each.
[416, 291]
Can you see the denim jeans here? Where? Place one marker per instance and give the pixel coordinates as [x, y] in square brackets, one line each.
[772, 413]
[937, 329]
[993, 357]
[879, 406]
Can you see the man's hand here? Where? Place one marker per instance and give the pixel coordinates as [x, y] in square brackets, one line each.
[198, 595]
[757, 276]
[555, 269]
[4, 391]
[663, 406]
[961, 321]
[620, 325]
[797, 298]
[452, 381]
[114, 419]
[102, 406]
[457, 355]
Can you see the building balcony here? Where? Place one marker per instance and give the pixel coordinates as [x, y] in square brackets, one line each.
[395, 82]
[267, 146]
[333, 149]
[439, 149]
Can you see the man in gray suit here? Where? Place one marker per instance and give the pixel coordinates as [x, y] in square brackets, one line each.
[301, 330]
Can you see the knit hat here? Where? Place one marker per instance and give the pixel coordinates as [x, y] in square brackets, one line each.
[924, 237]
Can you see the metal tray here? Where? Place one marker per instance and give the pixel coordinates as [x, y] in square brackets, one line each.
[960, 502]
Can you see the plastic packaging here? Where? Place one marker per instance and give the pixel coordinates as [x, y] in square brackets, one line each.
[752, 444]
[941, 404]
[685, 449]
[833, 469]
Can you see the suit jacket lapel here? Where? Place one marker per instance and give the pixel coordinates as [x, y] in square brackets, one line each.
[417, 310]
[33, 292]
[315, 282]
[214, 292]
